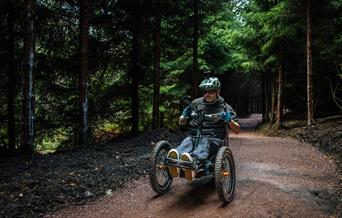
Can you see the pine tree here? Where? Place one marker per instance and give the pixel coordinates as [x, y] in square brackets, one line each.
[27, 140]
[83, 71]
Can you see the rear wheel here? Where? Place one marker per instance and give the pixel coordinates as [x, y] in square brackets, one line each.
[225, 174]
[160, 177]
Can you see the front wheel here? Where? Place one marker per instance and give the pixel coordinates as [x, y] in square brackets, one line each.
[160, 177]
[225, 174]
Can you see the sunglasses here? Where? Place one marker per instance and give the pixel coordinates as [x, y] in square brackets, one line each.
[210, 92]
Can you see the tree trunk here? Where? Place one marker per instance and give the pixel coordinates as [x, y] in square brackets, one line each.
[27, 80]
[263, 97]
[83, 73]
[135, 69]
[195, 51]
[268, 96]
[279, 121]
[156, 87]
[11, 79]
[310, 117]
[274, 98]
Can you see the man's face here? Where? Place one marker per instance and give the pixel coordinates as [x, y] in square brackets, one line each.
[210, 95]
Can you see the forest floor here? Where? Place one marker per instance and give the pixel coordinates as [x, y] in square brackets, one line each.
[33, 186]
[108, 177]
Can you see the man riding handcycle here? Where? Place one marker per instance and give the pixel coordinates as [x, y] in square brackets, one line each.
[205, 151]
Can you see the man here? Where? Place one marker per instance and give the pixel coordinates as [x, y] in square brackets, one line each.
[213, 130]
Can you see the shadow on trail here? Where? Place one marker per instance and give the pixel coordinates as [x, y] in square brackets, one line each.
[196, 194]
[156, 196]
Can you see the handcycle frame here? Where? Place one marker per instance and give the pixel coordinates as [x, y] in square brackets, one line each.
[200, 113]
[220, 164]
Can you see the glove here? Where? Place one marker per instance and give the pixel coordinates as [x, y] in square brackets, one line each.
[187, 112]
[226, 116]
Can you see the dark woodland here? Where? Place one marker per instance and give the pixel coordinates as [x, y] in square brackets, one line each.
[78, 73]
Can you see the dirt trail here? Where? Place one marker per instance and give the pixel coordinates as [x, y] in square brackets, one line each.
[276, 177]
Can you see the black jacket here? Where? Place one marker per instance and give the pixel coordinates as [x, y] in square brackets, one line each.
[213, 127]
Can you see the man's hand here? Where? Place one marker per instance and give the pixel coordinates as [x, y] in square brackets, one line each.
[183, 121]
[187, 112]
[226, 116]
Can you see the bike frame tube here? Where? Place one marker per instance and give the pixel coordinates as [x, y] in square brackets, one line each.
[199, 130]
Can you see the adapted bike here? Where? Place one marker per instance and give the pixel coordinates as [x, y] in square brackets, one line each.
[220, 165]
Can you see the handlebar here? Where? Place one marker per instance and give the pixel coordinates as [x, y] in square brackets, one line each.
[217, 115]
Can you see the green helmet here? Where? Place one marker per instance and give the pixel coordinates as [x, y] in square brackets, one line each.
[211, 83]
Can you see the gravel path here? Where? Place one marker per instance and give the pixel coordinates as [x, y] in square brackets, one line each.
[276, 177]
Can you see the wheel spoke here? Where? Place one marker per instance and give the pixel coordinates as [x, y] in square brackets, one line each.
[160, 178]
[226, 179]
[225, 174]
[161, 170]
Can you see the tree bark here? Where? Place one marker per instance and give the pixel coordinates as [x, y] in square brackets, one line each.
[274, 97]
[156, 87]
[83, 72]
[135, 69]
[310, 117]
[27, 80]
[279, 121]
[195, 51]
[268, 96]
[263, 96]
[11, 79]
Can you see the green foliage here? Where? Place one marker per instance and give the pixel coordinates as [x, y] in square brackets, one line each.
[236, 36]
[53, 141]
[171, 95]
[215, 55]
[176, 67]
[146, 107]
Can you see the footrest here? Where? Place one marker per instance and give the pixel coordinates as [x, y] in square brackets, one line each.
[180, 163]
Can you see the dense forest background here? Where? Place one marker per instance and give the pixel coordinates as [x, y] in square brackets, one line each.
[81, 72]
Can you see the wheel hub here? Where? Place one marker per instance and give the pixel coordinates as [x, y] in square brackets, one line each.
[225, 173]
[161, 166]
